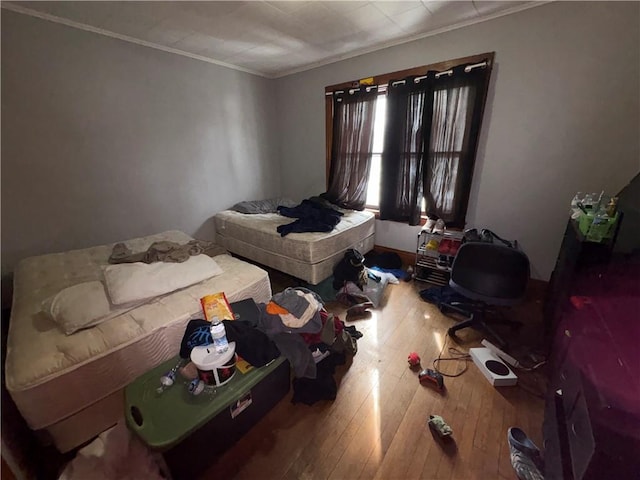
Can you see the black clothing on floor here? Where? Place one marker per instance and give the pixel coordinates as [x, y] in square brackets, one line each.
[440, 295]
[323, 387]
[389, 260]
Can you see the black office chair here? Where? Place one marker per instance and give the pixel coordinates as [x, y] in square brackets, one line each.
[487, 274]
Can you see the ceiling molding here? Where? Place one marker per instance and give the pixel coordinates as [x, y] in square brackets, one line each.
[70, 23]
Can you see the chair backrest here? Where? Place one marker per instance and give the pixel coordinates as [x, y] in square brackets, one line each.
[490, 272]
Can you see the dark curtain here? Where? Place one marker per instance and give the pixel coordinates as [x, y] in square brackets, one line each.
[353, 120]
[430, 145]
[403, 160]
[458, 104]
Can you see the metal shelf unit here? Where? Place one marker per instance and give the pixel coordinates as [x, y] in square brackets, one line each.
[431, 265]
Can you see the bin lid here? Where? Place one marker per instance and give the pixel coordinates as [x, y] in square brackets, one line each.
[206, 358]
[161, 421]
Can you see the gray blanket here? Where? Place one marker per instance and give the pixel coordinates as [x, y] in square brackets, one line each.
[262, 206]
[165, 251]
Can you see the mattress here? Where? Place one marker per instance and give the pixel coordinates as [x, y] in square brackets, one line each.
[52, 376]
[310, 256]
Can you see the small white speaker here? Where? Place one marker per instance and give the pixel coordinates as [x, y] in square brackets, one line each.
[496, 371]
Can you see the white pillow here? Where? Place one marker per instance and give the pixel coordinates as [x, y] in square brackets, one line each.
[132, 282]
[81, 306]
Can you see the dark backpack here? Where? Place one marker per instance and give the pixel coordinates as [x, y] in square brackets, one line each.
[350, 269]
[487, 236]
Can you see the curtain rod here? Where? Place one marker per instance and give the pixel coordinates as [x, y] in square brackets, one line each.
[351, 91]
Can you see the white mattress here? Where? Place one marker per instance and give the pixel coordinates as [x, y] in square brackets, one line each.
[52, 376]
[310, 256]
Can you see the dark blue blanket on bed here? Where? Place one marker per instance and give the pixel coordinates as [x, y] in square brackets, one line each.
[311, 217]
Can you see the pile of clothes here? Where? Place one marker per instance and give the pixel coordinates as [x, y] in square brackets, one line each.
[293, 323]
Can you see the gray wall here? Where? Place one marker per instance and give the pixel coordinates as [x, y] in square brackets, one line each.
[104, 140]
[563, 114]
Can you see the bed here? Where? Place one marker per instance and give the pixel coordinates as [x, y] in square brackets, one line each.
[308, 256]
[69, 388]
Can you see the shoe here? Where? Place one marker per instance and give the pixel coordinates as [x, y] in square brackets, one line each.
[428, 226]
[433, 244]
[453, 248]
[437, 423]
[359, 309]
[519, 440]
[445, 247]
[525, 455]
[439, 227]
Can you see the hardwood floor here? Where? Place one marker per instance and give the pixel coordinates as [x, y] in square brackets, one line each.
[376, 428]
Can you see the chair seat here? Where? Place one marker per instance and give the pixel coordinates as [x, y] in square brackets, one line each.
[493, 273]
[489, 273]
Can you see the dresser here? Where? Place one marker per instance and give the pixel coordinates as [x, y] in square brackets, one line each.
[575, 255]
[592, 412]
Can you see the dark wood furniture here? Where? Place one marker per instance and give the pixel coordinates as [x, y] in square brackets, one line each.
[575, 255]
[591, 428]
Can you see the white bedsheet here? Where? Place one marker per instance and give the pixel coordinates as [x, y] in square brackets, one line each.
[310, 256]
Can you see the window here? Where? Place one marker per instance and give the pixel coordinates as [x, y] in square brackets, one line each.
[417, 146]
[373, 187]
[447, 144]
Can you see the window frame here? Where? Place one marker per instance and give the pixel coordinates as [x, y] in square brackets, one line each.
[385, 78]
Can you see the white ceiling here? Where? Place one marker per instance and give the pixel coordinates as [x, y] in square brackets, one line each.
[270, 38]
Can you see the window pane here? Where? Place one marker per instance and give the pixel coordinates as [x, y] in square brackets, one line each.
[444, 178]
[450, 111]
[373, 188]
[378, 128]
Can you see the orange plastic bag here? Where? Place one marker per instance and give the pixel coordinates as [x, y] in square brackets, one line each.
[216, 305]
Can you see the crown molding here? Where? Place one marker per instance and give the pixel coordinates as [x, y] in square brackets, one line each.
[100, 31]
[70, 23]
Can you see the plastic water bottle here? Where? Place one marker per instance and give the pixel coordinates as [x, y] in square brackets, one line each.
[219, 335]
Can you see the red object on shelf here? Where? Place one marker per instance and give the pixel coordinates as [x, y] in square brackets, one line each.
[445, 246]
[455, 245]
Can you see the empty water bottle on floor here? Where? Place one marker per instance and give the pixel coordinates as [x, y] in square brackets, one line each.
[219, 336]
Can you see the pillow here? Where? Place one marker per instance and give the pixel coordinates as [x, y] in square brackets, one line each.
[263, 206]
[81, 306]
[133, 282]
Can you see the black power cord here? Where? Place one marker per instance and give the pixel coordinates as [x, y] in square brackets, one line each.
[455, 355]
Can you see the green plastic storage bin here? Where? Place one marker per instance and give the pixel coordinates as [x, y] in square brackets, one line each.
[191, 431]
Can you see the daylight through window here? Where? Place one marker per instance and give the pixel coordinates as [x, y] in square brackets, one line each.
[404, 143]
[373, 188]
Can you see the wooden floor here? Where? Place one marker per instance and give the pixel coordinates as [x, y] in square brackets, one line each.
[377, 425]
